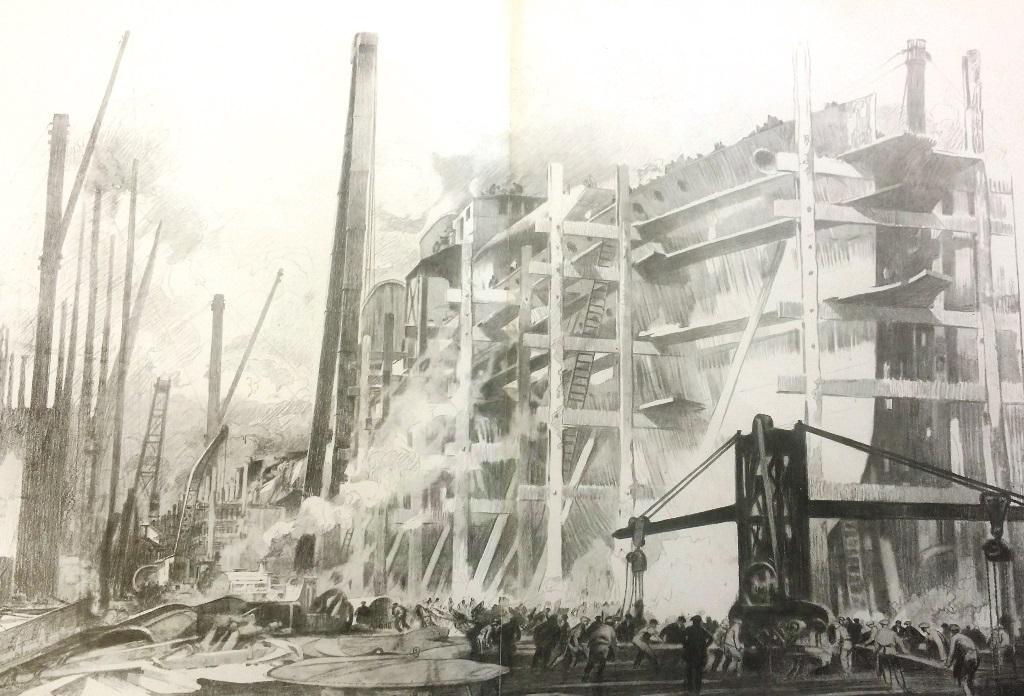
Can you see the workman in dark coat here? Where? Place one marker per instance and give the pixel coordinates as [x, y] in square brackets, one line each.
[601, 647]
[545, 638]
[695, 651]
[509, 633]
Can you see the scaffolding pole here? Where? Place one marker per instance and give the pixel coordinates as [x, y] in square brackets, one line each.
[524, 533]
[464, 423]
[807, 244]
[552, 584]
[624, 333]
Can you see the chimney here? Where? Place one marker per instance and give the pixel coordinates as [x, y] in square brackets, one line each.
[212, 416]
[216, 348]
[917, 57]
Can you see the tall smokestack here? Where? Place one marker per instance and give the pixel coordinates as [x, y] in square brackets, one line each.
[917, 57]
[213, 413]
[339, 347]
[216, 350]
[49, 261]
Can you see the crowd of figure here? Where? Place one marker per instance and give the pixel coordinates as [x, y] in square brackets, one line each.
[948, 644]
[590, 635]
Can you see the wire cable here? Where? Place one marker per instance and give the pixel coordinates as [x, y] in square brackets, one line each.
[661, 502]
[912, 464]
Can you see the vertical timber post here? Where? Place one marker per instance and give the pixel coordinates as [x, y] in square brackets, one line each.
[994, 427]
[808, 258]
[101, 384]
[21, 381]
[72, 357]
[106, 559]
[49, 264]
[387, 358]
[414, 572]
[58, 386]
[363, 416]
[464, 422]
[524, 508]
[624, 332]
[552, 584]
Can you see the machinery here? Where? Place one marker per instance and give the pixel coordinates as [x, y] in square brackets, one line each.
[176, 562]
[773, 512]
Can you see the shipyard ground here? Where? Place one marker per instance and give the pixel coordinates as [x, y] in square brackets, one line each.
[621, 678]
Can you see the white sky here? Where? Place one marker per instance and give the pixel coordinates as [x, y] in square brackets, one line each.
[248, 106]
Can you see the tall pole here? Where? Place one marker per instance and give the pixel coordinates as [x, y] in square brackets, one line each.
[387, 357]
[248, 348]
[69, 375]
[120, 385]
[213, 415]
[995, 444]
[808, 263]
[624, 330]
[21, 381]
[463, 421]
[88, 357]
[61, 335]
[90, 145]
[49, 262]
[556, 393]
[101, 386]
[524, 416]
[10, 380]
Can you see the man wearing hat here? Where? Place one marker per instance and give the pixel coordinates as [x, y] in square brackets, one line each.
[868, 636]
[936, 645]
[733, 645]
[601, 648]
[696, 640]
[1001, 644]
[963, 657]
[885, 647]
[844, 646]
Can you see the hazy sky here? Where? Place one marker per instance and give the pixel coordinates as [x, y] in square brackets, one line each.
[241, 112]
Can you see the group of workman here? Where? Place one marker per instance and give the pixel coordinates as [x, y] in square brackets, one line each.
[571, 638]
[947, 643]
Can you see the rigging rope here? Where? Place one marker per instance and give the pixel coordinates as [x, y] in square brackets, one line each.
[912, 463]
[661, 502]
